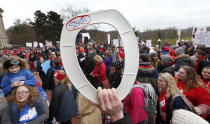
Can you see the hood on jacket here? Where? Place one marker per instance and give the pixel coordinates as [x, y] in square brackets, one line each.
[183, 56]
[146, 67]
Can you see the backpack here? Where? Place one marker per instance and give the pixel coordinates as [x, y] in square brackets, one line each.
[150, 97]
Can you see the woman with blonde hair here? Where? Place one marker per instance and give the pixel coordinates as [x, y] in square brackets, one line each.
[63, 104]
[169, 98]
[99, 72]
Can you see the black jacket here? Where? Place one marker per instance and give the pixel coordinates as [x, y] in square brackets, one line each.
[165, 68]
[178, 103]
[125, 120]
[203, 63]
[181, 60]
[63, 105]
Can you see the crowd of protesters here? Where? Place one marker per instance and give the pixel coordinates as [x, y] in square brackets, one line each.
[170, 79]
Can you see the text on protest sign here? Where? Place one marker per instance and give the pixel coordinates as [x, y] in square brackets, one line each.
[202, 38]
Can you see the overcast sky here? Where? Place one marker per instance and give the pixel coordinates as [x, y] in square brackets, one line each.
[142, 14]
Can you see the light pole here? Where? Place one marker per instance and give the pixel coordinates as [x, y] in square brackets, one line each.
[159, 43]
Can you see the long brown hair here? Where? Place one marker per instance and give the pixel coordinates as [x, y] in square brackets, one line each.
[33, 95]
[192, 80]
[23, 65]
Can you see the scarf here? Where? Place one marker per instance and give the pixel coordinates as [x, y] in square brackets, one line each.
[196, 65]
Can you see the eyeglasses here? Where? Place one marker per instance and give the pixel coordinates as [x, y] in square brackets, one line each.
[21, 93]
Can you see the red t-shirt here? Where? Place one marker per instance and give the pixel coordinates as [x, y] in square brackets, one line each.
[163, 101]
[181, 87]
[207, 83]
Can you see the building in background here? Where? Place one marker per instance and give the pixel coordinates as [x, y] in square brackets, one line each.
[3, 36]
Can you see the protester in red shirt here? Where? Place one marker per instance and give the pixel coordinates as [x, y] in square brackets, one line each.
[206, 76]
[169, 98]
[121, 53]
[99, 72]
[193, 88]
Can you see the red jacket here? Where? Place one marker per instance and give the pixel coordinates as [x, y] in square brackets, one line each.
[133, 105]
[99, 70]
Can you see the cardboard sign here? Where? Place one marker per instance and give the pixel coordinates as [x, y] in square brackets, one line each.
[69, 58]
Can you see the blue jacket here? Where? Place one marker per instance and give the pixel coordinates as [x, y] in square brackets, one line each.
[10, 78]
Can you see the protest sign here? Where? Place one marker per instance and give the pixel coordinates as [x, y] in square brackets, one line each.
[69, 58]
[85, 35]
[48, 43]
[29, 45]
[35, 43]
[41, 45]
[148, 43]
[45, 66]
[202, 38]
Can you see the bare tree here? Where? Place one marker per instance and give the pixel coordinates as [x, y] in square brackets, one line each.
[69, 12]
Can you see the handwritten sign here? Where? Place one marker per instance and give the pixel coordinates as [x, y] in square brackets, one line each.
[78, 22]
[202, 38]
[148, 43]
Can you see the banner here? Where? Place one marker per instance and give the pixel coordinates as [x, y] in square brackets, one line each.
[29, 45]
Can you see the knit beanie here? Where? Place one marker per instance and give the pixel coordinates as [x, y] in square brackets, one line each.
[179, 51]
[182, 116]
[153, 53]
